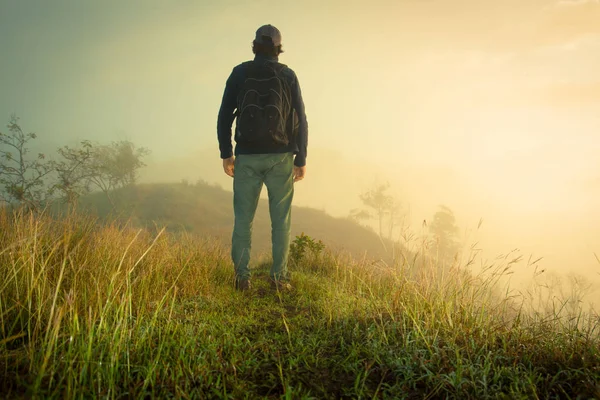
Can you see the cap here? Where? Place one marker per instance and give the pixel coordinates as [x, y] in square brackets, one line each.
[268, 31]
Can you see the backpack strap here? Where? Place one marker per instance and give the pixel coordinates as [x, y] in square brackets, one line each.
[276, 66]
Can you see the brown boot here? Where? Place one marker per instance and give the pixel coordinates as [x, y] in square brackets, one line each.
[242, 285]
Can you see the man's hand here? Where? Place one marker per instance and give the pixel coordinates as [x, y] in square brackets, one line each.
[299, 173]
[228, 165]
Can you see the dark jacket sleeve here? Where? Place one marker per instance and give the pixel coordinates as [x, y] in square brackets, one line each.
[227, 115]
[302, 137]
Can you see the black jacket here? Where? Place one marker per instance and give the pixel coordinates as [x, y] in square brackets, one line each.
[227, 114]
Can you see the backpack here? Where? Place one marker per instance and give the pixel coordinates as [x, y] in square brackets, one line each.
[264, 106]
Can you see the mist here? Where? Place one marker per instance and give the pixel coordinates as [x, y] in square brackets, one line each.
[490, 108]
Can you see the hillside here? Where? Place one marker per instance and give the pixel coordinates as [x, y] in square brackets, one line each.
[208, 210]
[92, 311]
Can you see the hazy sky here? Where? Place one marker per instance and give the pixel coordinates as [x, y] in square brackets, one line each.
[500, 100]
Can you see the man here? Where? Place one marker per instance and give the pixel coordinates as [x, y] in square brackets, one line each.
[271, 142]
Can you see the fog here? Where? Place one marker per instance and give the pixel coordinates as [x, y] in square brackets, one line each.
[491, 108]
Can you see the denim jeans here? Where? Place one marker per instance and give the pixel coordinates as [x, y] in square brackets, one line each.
[276, 172]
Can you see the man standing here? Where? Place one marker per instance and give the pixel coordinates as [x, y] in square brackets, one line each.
[271, 137]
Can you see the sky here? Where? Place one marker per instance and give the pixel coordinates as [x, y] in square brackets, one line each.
[490, 107]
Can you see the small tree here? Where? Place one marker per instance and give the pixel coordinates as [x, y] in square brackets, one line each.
[116, 165]
[23, 178]
[31, 181]
[73, 172]
[105, 167]
[444, 234]
[381, 206]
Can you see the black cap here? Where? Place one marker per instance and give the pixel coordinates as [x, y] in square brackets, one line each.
[268, 31]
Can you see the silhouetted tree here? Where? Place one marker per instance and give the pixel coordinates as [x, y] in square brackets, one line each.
[32, 181]
[74, 172]
[22, 177]
[104, 167]
[115, 166]
[381, 206]
[444, 234]
[553, 293]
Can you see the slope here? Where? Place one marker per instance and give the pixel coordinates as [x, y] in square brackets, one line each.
[207, 210]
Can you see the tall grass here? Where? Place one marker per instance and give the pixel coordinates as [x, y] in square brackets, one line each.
[90, 310]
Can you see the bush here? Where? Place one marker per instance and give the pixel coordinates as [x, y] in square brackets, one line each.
[303, 246]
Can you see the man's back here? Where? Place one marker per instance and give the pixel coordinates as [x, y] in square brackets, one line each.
[271, 145]
[296, 123]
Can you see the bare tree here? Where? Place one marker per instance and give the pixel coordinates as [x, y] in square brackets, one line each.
[380, 206]
[73, 172]
[23, 178]
[553, 293]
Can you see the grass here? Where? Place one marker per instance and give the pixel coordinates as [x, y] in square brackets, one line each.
[89, 310]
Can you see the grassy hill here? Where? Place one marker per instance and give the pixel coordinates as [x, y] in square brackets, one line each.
[208, 210]
[89, 311]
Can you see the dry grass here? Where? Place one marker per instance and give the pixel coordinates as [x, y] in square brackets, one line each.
[90, 310]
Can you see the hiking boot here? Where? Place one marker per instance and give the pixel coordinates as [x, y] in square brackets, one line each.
[281, 286]
[242, 285]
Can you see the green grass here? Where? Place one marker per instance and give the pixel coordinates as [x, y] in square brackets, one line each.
[106, 311]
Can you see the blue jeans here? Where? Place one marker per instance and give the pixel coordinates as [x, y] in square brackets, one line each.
[276, 172]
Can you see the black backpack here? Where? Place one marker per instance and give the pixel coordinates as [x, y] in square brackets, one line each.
[264, 106]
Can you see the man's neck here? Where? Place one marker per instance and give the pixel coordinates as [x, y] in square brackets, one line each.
[263, 57]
